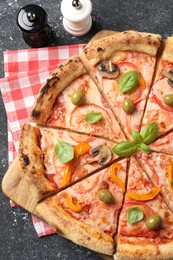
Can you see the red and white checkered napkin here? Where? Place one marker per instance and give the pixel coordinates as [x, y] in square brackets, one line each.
[25, 71]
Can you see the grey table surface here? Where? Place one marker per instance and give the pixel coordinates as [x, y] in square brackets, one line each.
[18, 239]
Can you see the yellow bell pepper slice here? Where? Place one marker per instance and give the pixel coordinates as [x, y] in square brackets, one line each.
[114, 169]
[67, 172]
[74, 207]
[141, 81]
[170, 176]
[79, 150]
[149, 195]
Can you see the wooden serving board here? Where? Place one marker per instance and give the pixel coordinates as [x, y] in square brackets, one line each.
[18, 188]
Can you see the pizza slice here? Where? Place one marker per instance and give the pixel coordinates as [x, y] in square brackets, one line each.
[122, 65]
[71, 100]
[145, 223]
[87, 212]
[159, 168]
[51, 159]
[159, 107]
[163, 144]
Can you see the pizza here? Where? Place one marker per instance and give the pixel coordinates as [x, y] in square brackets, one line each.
[68, 97]
[164, 144]
[98, 152]
[146, 223]
[159, 168]
[87, 212]
[111, 66]
[40, 166]
[159, 108]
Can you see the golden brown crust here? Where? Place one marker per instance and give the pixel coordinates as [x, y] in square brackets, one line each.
[168, 50]
[80, 233]
[59, 80]
[30, 163]
[123, 41]
[20, 189]
[102, 34]
[143, 249]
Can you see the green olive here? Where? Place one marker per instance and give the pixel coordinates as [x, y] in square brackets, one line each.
[154, 221]
[77, 98]
[168, 99]
[105, 196]
[128, 105]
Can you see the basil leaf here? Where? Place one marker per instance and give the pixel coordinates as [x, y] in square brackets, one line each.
[136, 136]
[64, 151]
[125, 148]
[149, 133]
[93, 117]
[128, 81]
[145, 148]
[134, 214]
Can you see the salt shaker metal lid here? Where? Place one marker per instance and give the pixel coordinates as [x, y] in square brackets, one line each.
[32, 21]
[77, 16]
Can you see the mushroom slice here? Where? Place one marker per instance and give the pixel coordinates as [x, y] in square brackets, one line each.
[101, 154]
[169, 75]
[108, 70]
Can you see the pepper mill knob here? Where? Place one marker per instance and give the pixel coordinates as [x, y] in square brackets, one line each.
[76, 3]
[77, 16]
[31, 16]
[32, 21]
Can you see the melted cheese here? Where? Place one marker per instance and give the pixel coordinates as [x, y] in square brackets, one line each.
[70, 116]
[143, 63]
[156, 164]
[156, 110]
[149, 207]
[164, 144]
[95, 212]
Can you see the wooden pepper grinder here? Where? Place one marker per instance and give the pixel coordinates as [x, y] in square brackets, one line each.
[76, 16]
[32, 21]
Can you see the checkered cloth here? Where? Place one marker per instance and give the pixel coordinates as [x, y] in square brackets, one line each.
[25, 71]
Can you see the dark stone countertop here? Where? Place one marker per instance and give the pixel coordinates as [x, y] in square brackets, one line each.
[18, 240]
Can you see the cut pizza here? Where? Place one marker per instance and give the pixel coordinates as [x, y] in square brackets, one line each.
[92, 111]
[71, 100]
[160, 103]
[87, 212]
[159, 168]
[146, 223]
[163, 144]
[51, 159]
[122, 65]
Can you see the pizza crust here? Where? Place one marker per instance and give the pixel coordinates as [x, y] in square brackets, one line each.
[168, 50]
[30, 163]
[143, 249]
[80, 233]
[59, 80]
[103, 49]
